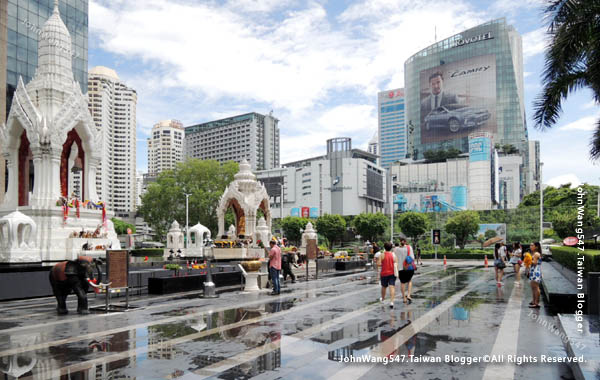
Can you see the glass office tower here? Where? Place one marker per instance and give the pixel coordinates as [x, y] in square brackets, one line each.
[392, 129]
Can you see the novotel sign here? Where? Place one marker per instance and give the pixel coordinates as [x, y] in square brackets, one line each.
[471, 40]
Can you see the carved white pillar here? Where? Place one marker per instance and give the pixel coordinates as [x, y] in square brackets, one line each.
[11, 199]
[90, 191]
[53, 178]
[36, 197]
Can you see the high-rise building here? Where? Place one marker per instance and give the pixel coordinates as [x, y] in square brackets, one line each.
[251, 136]
[392, 126]
[113, 108]
[467, 84]
[20, 28]
[165, 146]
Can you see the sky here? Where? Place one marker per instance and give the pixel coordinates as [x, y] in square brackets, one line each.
[318, 65]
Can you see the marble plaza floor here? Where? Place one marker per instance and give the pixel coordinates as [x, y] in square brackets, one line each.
[313, 330]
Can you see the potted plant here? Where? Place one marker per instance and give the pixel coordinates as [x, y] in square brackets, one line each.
[174, 267]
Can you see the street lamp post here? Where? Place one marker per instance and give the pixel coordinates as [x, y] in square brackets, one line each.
[187, 235]
[541, 204]
[391, 197]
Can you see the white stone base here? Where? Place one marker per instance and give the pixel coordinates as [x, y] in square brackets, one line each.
[252, 282]
[238, 253]
[52, 241]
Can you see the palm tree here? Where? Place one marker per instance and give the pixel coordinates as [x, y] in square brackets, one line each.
[572, 60]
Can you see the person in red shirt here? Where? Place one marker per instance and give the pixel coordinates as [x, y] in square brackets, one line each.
[275, 266]
[389, 267]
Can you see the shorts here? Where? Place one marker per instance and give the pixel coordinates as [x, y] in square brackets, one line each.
[514, 260]
[405, 276]
[388, 280]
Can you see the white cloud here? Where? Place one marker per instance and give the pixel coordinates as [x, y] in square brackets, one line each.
[587, 123]
[319, 72]
[513, 7]
[564, 179]
[534, 43]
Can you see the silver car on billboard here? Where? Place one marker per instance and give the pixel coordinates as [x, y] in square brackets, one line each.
[456, 117]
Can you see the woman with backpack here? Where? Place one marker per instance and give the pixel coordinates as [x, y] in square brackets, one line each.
[406, 258]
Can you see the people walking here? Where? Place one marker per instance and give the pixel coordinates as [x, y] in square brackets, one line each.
[516, 260]
[388, 263]
[286, 262]
[499, 264]
[274, 266]
[406, 259]
[535, 274]
[418, 252]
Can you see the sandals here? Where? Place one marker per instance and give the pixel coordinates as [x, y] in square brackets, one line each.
[534, 306]
[409, 300]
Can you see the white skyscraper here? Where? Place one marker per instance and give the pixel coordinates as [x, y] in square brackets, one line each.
[165, 146]
[113, 108]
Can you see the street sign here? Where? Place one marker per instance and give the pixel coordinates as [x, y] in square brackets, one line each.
[436, 237]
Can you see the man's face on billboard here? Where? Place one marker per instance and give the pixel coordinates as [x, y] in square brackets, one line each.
[436, 85]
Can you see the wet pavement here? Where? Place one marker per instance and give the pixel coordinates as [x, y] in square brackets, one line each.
[313, 330]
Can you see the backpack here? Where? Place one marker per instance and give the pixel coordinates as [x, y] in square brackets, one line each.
[409, 263]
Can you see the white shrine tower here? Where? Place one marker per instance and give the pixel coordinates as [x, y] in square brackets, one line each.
[52, 150]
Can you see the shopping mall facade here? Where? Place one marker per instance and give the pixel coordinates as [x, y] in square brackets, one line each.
[468, 86]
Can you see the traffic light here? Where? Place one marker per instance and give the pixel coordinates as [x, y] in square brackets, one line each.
[436, 236]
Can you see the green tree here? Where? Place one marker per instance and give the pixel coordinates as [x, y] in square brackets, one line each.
[481, 239]
[370, 226]
[490, 234]
[332, 227]
[564, 223]
[463, 225]
[413, 224]
[121, 226]
[204, 180]
[572, 60]
[291, 226]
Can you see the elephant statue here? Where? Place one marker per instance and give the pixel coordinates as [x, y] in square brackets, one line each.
[75, 276]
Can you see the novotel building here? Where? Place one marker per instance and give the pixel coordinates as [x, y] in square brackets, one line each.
[470, 83]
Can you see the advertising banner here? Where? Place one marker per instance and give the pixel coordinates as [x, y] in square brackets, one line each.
[480, 149]
[295, 212]
[499, 231]
[458, 98]
[314, 212]
[305, 212]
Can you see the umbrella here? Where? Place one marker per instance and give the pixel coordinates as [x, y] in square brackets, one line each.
[493, 240]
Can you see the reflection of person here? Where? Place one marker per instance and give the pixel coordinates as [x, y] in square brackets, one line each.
[438, 97]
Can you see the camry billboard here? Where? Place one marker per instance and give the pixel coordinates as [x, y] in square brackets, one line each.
[458, 98]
